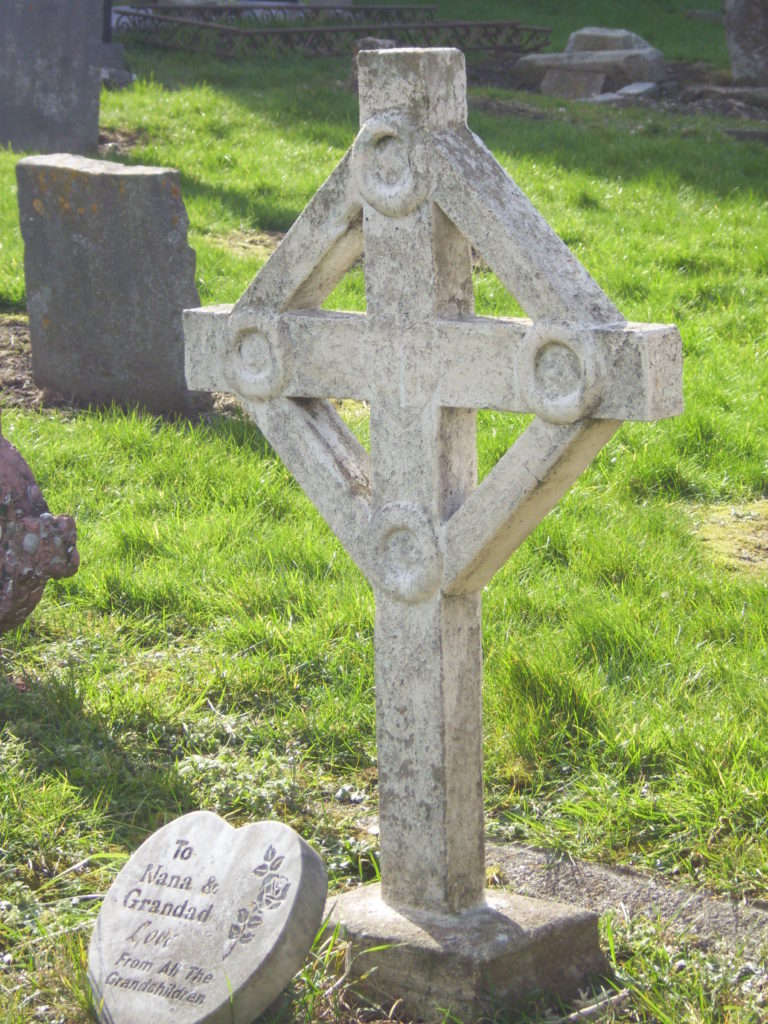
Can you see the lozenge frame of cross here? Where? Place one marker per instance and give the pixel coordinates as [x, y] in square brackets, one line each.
[412, 195]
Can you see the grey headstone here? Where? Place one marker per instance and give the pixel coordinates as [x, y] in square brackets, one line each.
[746, 33]
[108, 271]
[50, 75]
[573, 85]
[113, 56]
[206, 923]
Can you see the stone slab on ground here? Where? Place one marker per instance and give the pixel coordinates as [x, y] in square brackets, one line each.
[108, 271]
[628, 95]
[206, 923]
[619, 66]
[50, 75]
[756, 96]
[572, 85]
[639, 90]
[467, 964]
[703, 917]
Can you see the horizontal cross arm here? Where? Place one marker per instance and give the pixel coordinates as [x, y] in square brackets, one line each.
[205, 344]
[258, 355]
[561, 372]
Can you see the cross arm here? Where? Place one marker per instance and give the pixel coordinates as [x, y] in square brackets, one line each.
[320, 247]
[524, 485]
[527, 256]
[560, 371]
[610, 373]
[260, 355]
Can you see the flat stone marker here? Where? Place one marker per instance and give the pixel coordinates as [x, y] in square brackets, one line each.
[206, 924]
[108, 271]
[414, 193]
[746, 34]
[50, 75]
[572, 85]
[621, 57]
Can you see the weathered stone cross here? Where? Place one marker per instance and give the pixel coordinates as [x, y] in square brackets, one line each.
[416, 189]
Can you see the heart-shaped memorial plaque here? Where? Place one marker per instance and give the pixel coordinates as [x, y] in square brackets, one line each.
[206, 923]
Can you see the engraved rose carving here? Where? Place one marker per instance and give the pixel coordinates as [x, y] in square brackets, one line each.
[272, 892]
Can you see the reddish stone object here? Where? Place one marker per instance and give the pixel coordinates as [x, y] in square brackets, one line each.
[34, 545]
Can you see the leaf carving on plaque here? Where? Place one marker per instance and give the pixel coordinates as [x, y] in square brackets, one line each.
[273, 891]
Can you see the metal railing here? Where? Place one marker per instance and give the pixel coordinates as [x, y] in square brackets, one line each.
[224, 40]
[376, 14]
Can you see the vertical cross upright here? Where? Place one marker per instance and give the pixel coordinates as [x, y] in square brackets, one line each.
[428, 664]
[415, 189]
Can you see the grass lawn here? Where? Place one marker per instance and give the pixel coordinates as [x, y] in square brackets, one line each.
[215, 648]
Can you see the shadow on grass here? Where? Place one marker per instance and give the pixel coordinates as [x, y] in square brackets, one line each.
[306, 99]
[261, 205]
[631, 145]
[135, 783]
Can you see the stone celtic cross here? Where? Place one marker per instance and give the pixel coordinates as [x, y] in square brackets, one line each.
[414, 193]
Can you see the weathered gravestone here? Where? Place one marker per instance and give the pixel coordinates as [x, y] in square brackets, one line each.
[746, 33]
[416, 188]
[206, 924]
[108, 271]
[50, 74]
[593, 59]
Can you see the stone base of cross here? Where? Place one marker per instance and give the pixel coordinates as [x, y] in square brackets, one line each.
[416, 190]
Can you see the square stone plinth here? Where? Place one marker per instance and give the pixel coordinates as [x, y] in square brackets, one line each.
[470, 964]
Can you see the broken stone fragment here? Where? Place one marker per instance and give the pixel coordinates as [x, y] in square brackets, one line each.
[591, 39]
[621, 57]
[35, 546]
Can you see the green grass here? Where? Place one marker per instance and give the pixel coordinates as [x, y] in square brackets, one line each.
[215, 648]
[662, 22]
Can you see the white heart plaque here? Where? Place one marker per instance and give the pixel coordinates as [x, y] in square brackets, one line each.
[206, 923]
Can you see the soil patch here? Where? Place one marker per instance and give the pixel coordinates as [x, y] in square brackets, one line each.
[16, 385]
[701, 918]
[736, 536]
[257, 244]
[116, 142]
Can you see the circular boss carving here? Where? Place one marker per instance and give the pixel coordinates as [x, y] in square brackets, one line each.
[387, 166]
[407, 560]
[256, 361]
[561, 372]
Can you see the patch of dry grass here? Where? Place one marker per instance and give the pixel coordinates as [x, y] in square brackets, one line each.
[736, 535]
